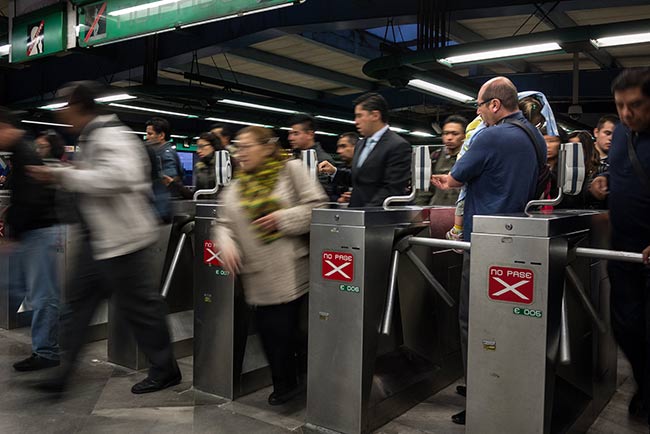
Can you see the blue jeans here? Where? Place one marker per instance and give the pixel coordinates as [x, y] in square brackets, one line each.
[35, 274]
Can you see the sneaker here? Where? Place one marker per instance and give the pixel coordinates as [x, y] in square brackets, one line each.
[454, 235]
[34, 363]
[149, 385]
[459, 418]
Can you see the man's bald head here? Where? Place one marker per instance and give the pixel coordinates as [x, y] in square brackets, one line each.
[502, 89]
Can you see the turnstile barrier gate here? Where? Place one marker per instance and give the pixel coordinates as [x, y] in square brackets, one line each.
[360, 374]
[229, 360]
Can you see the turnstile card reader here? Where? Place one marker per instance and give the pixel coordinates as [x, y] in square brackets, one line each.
[229, 359]
[358, 377]
[541, 358]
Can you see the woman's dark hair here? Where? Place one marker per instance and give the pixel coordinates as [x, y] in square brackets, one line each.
[56, 141]
[212, 139]
[531, 107]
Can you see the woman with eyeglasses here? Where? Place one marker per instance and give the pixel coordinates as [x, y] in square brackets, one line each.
[263, 236]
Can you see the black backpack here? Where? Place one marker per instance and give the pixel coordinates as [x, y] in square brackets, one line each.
[543, 171]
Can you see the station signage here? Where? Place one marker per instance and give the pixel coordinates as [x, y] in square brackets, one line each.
[337, 266]
[512, 285]
[38, 34]
[106, 21]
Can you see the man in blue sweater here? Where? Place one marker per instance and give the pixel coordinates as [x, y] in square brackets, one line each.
[628, 181]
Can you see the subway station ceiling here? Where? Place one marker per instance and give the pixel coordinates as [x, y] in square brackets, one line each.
[311, 57]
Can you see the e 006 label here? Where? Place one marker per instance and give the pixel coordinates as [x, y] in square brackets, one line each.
[527, 312]
[349, 288]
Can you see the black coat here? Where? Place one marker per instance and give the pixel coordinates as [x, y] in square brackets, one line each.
[385, 172]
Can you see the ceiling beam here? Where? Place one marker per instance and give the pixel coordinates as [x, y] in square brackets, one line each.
[266, 58]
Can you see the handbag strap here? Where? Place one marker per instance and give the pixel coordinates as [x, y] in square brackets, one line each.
[636, 164]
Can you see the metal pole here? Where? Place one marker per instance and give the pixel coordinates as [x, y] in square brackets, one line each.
[565, 344]
[442, 292]
[439, 243]
[172, 266]
[609, 254]
[390, 299]
[586, 303]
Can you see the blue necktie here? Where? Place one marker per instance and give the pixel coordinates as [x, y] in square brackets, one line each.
[365, 151]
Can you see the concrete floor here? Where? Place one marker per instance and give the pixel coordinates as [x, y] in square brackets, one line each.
[99, 401]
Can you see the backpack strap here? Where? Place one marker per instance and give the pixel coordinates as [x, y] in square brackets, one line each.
[530, 135]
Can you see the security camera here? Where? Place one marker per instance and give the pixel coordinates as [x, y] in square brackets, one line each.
[575, 111]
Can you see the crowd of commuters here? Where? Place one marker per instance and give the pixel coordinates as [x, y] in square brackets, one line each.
[494, 164]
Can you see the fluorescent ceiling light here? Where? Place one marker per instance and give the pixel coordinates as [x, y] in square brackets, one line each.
[117, 97]
[285, 128]
[421, 134]
[399, 130]
[54, 106]
[325, 133]
[227, 17]
[231, 121]
[502, 53]
[178, 137]
[439, 90]
[145, 109]
[134, 132]
[330, 118]
[611, 41]
[51, 124]
[5, 49]
[143, 7]
[256, 106]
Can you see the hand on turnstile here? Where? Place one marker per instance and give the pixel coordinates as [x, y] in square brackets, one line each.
[598, 187]
[230, 258]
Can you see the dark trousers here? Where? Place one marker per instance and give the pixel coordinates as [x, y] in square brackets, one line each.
[278, 326]
[129, 280]
[630, 306]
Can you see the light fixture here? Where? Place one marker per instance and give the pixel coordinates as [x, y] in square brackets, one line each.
[5, 49]
[140, 133]
[611, 41]
[51, 124]
[440, 90]
[399, 130]
[227, 17]
[146, 109]
[231, 121]
[256, 106]
[325, 133]
[142, 7]
[421, 134]
[117, 97]
[333, 119]
[176, 136]
[501, 53]
[54, 106]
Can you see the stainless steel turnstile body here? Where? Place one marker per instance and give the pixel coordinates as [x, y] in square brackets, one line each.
[537, 362]
[359, 378]
[229, 360]
[122, 347]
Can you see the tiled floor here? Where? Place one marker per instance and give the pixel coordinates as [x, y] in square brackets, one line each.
[99, 401]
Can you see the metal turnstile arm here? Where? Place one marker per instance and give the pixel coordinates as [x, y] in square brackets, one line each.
[185, 230]
[392, 290]
[565, 341]
[613, 255]
[443, 244]
[572, 277]
[442, 292]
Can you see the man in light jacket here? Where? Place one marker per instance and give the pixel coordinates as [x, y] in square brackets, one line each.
[113, 189]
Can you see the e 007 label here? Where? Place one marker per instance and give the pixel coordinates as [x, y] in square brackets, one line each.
[527, 312]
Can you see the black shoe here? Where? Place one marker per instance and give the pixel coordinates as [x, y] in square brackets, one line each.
[459, 418]
[279, 398]
[461, 390]
[149, 385]
[635, 408]
[34, 363]
[54, 385]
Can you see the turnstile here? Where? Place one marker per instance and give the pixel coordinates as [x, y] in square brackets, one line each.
[122, 347]
[229, 360]
[541, 355]
[380, 340]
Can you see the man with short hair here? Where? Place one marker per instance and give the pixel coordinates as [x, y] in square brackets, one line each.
[32, 224]
[224, 134]
[500, 172]
[302, 137]
[628, 180]
[603, 135]
[345, 149]
[381, 166]
[112, 185]
[167, 164]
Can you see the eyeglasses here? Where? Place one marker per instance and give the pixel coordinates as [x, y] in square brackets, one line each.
[486, 101]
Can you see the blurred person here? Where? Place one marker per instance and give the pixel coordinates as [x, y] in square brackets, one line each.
[504, 185]
[262, 236]
[111, 183]
[50, 144]
[594, 166]
[345, 149]
[381, 165]
[31, 222]
[302, 137]
[627, 183]
[224, 134]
